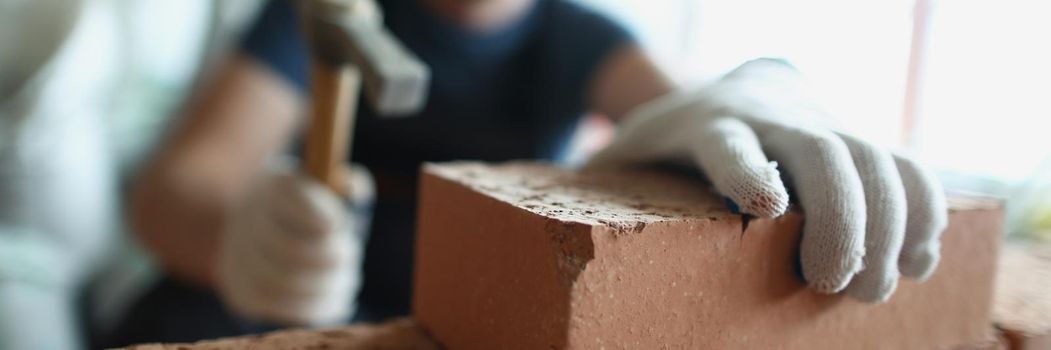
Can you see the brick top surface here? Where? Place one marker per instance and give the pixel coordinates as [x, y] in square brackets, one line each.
[530, 256]
[397, 334]
[619, 199]
[1022, 302]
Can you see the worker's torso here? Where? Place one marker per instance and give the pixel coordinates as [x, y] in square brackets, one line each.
[517, 92]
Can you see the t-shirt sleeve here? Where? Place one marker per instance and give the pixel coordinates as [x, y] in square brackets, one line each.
[587, 36]
[577, 40]
[275, 39]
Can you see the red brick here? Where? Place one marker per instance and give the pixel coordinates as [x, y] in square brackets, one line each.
[401, 334]
[525, 256]
[1022, 307]
[997, 342]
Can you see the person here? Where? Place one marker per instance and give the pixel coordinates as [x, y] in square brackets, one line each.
[249, 244]
[59, 167]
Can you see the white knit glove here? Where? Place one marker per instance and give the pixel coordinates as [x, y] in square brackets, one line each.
[870, 215]
[292, 252]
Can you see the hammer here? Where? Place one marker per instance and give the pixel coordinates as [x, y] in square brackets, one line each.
[349, 45]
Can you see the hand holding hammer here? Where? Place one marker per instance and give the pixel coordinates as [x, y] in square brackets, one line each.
[350, 46]
[291, 251]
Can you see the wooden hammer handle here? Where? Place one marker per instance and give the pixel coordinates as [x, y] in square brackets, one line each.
[334, 91]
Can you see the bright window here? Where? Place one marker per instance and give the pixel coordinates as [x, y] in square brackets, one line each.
[981, 88]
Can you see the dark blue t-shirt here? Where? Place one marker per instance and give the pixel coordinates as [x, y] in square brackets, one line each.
[515, 93]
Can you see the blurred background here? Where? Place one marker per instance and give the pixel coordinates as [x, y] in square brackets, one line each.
[961, 85]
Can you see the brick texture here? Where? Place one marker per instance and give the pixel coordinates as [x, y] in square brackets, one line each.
[527, 256]
[400, 334]
[1022, 308]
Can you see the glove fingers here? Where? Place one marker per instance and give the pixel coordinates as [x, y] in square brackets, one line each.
[248, 295]
[285, 223]
[361, 184]
[927, 218]
[319, 252]
[288, 254]
[303, 205]
[730, 153]
[289, 282]
[652, 131]
[830, 192]
[767, 73]
[257, 285]
[280, 270]
[631, 146]
[884, 225]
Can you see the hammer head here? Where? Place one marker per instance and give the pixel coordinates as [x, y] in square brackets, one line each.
[351, 31]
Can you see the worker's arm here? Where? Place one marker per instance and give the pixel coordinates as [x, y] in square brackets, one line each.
[626, 78]
[179, 200]
[871, 216]
[219, 210]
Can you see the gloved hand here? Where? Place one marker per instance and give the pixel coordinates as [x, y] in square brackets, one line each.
[291, 251]
[870, 215]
